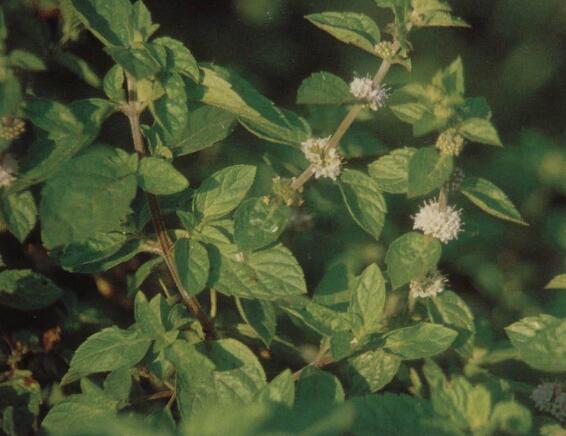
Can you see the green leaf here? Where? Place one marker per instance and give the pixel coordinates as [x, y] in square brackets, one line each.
[141, 22]
[279, 390]
[206, 125]
[113, 84]
[118, 385]
[428, 170]
[139, 62]
[89, 195]
[266, 274]
[370, 371]
[77, 66]
[409, 112]
[450, 310]
[490, 199]
[142, 273]
[226, 90]
[192, 264]
[24, 289]
[451, 79]
[419, 341]
[368, 300]
[25, 60]
[558, 282]
[364, 201]
[511, 417]
[56, 118]
[349, 27]
[391, 172]
[541, 342]
[324, 88]
[148, 316]
[480, 130]
[223, 191]
[107, 350]
[19, 213]
[410, 257]
[76, 412]
[160, 177]
[220, 372]
[108, 20]
[179, 58]
[261, 316]
[316, 388]
[320, 318]
[170, 111]
[257, 224]
[10, 95]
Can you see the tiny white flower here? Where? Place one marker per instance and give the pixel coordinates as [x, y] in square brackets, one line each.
[443, 224]
[363, 88]
[8, 170]
[325, 159]
[239, 257]
[429, 286]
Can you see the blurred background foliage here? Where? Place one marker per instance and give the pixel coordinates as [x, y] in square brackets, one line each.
[513, 55]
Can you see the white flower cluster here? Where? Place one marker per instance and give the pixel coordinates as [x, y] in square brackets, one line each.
[325, 159]
[8, 170]
[429, 286]
[551, 398]
[363, 88]
[442, 223]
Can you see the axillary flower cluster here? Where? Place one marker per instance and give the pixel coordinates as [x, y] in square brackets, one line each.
[324, 158]
[551, 398]
[365, 90]
[441, 222]
[429, 286]
[8, 170]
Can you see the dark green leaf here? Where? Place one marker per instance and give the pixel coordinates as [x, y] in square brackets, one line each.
[392, 170]
[20, 214]
[324, 88]
[108, 20]
[160, 177]
[23, 289]
[139, 62]
[370, 371]
[368, 300]
[419, 341]
[170, 111]
[179, 58]
[428, 170]
[192, 264]
[260, 315]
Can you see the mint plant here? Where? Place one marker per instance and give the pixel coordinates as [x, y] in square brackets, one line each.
[221, 309]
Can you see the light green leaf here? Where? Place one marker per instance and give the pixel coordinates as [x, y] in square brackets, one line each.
[480, 130]
[25, 60]
[56, 118]
[108, 20]
[225, 89]
[410, 257]
[511, 417]
[266, 274]
[409, 112]
[139, 62]
[261, 316]
[160, 177]
[392, 170]
[367, 300]
[349, 27]
[179, 58]
[316, 388]
[257, 224]
[113, 84]
[490, 199]
[450, 310]
[541, 342]
[223, 191]
[279, 390]
[320, 318]
[141, 22]
[118, 385]
[23, 289]
[192, 264]
[364, 201]
[142, 273]
[170, 111]
[419, 341]
[20, 214]
[77, 66]
[148, 317]
[206, 125]
[107, 350]
[91, 194]
[428, 170]
[324, 88]
[370, 371]
[558, 282]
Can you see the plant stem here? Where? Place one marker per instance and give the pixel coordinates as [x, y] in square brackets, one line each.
[133, 112]
[347, 122]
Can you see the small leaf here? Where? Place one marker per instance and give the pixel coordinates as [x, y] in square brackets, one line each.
[480, 130]
[428, 170]
[558, 282]
[22, 289]
[257, 224]
[107, 350]
[160, 177]
[541, 342]
[139, 62]
[179, 58]
[364, 201]
[368, 299]
[392, 170]
[192, 264]
[147, 318]
[370, 371]
[324, 88]
[349, 27]
[409, 112]
[490, 199]
[118, 385]
[261, 316]
[279, 390]
[170, 111]
[19, 213]
[108, 20]
[410, 257]
[142, 273]
[419, 341]
[113, 84]
[316, 388]
[25, 60]
[223, 191]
